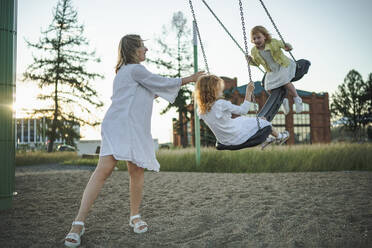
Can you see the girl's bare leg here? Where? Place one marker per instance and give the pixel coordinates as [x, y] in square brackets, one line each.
[103, 170]
[291, 89]
[274, 133]
[136, 187]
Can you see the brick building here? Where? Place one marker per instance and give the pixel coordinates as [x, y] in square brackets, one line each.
[310, 126]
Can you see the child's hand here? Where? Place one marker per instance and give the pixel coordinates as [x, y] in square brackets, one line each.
[250, 87]
[248, 58]
[288, 47]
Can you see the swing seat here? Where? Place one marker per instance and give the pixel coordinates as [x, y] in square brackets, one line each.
[301, 69]
[273, 103]
[258, 138]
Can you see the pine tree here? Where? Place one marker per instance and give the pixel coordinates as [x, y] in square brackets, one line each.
[60, 71]
[176, 61]
[349, 102]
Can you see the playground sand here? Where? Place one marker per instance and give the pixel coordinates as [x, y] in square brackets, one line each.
[194, 209]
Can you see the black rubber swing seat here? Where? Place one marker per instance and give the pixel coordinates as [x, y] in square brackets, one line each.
[301, 69]
[258, 138]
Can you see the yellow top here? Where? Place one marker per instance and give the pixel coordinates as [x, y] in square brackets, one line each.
[275, 47]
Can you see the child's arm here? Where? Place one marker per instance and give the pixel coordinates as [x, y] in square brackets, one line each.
[249, 91]
[244, 107]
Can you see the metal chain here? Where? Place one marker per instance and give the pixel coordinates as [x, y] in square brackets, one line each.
[246, 53]
[276, 28]
[227, 31]
[197, 30]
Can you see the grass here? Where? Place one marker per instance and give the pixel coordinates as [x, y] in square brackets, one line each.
[299, 158]
[36, 158]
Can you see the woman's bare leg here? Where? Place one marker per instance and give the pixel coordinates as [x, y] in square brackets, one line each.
[136, 187]
[103, 170]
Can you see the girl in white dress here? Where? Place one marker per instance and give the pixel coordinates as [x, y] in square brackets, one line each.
[280, 70]
[126, 130]
[216, 113]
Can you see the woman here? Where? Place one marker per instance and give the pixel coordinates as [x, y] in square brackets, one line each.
[126, 131]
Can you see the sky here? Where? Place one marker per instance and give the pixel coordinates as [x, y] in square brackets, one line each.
[336, 36]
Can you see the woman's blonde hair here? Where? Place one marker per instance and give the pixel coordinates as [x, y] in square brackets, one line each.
[262, 30]
[127, 50]
[206, 92]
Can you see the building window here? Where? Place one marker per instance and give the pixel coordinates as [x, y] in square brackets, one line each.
[32, 132]
[301, 119]
[302, 135]
[254, 107]
[305, 107]
[25, 130]
[279, 120]
[302, 128]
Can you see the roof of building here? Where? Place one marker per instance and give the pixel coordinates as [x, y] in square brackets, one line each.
[258, 89]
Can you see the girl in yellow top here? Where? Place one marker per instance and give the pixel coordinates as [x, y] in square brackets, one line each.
[280, 70]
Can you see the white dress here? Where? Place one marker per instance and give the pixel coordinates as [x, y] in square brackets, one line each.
[126, 127]
[230, 131]
[279, 75]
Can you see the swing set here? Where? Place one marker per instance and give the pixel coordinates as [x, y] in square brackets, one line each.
[272, 105]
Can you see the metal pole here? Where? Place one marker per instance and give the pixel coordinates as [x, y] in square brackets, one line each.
[196, 117]
[8, 42]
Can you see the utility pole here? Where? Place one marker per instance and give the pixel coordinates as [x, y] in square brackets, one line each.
[8, 45]
[196, 117]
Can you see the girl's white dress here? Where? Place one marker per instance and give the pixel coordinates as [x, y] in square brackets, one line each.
[230, 131]
[279, 75]
[126, 127]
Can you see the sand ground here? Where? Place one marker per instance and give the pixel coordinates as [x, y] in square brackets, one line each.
[332, 209]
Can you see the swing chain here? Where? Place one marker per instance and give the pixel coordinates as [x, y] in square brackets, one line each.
[197, 30]
[227, 31]
[245, 38]
[276, 28]
[246, 53]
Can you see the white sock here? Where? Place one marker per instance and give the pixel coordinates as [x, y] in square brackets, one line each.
[280, 135]
[297, 99]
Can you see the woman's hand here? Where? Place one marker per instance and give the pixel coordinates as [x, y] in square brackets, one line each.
[288, 47]
[193, 77]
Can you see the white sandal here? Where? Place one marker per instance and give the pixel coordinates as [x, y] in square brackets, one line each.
[137, 225]
[75, 236]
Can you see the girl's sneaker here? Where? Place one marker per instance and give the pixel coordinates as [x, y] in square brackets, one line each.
[283, 137]
[285, 106]
[298, 103]
[269, 140]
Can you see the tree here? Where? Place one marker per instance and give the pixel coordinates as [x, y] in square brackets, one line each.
[349, 102]
[175, 60]
[367, 99]
[60, 71]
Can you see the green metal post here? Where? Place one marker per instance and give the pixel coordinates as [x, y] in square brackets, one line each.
[196, 116]
[8, 43]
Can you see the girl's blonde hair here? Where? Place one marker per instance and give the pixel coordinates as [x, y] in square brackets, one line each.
[127, 50]
[262, 30]
[206, 92]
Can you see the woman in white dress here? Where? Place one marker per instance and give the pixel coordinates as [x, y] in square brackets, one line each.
[126, 131]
